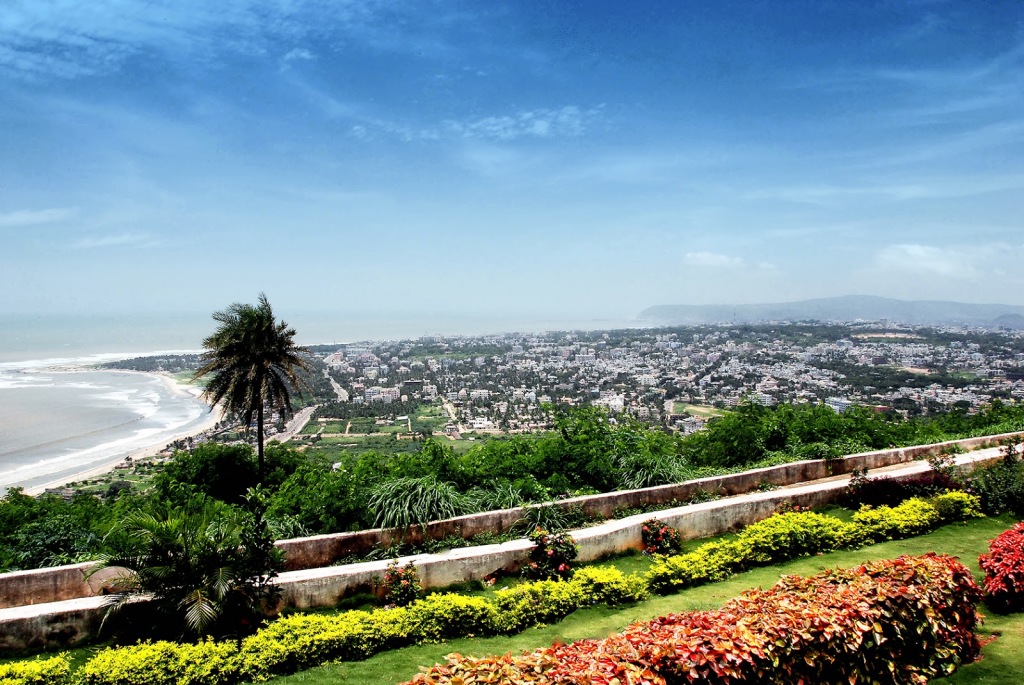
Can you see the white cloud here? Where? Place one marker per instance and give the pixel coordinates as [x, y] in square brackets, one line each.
[537, 123]
[712, 259]
[70, 38]
[35, 217]
[115, 240]
[298, 53]
[295, 55]
[962, 262]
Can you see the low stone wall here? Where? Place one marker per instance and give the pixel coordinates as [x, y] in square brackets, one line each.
[62, 624]
[50, 626]
[325, 586]
[323, 550]
[57, 584]
[69, 582]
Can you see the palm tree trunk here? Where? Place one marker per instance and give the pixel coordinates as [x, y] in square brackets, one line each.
[259, 441]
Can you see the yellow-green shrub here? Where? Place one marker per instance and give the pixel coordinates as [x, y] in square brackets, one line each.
[162, 663]
[913, 517]
[709, 563]
[957, 505]
[543, 601]
[301, 641]
[440, 616]
[610, 585]
[792, 534]
[51, 671]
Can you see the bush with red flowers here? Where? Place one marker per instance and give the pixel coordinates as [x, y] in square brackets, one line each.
[401, 584]
[658, 537]
[552, 555]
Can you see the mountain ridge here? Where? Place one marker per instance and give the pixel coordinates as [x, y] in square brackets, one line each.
[844, 308]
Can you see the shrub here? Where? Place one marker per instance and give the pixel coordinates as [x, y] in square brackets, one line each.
[610, 585]
[1004, 570]
[898, 621]
[529, 604]
[1000, 486]
[885, 491]
[957, 505]
[552, 554]
[711, 562]
[163, 663]
[913, 517]
[301, 641]
[52, 671]
[401, 584]
[440, 616]
[789, 535]
[659, 538]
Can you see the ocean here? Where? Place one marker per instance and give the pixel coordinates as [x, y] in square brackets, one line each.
[61, 416]
[55, 424]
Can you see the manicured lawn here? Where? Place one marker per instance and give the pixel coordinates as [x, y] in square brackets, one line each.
[1003, 661]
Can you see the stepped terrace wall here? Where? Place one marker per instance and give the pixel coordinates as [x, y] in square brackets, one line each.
[64, 623]
[61, 583]
[324, 550]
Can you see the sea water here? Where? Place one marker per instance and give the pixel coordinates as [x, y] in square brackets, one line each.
[57, 423]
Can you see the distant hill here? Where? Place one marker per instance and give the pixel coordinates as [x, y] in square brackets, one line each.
[848, 308]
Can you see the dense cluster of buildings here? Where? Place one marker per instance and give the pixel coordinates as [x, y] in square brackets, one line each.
[500, 381]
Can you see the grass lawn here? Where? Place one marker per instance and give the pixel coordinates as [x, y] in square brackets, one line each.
[1002, 663]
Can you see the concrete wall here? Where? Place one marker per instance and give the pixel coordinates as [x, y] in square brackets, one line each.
[323, 550]
[66, 623]
[69, 582]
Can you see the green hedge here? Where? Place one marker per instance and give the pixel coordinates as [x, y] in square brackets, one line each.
[302, 641]
[785, 536]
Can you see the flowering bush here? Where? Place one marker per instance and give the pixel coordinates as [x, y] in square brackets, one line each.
[1004, 570]
[552, 555]
[401, 584]
[659, 538]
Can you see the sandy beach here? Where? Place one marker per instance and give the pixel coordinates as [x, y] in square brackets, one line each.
[210, 419]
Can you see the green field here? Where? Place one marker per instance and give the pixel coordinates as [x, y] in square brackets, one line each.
[700, 410]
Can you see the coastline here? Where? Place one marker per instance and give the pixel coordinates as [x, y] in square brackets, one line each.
[213, 415]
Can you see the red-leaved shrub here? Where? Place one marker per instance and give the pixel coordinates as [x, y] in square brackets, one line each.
[1004, 570]
[894, 622]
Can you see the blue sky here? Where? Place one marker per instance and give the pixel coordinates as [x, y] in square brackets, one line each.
[522, 158]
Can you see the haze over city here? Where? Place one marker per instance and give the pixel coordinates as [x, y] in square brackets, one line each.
[541, 158]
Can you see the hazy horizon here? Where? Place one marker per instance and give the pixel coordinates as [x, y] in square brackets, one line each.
[531, 159]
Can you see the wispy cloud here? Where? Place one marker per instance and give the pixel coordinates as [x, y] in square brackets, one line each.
[904, 189]
[69, 38]
[295, 55]
[137, 240]
[713, 260]
[536, 123]
[961, 262]
[35, 217]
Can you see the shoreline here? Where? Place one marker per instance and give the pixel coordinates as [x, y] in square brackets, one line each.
[213, 415]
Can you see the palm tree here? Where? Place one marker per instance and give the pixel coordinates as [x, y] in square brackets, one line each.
[206, 568]
[252, 362]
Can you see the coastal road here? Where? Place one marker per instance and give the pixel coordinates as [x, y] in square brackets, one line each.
[296, 425]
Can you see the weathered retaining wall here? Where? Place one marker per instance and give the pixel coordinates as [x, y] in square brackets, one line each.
[66, 623]
[69, 582]
[325, 586]
[323, 550]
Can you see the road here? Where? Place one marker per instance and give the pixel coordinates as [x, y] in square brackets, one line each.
[295, 426]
